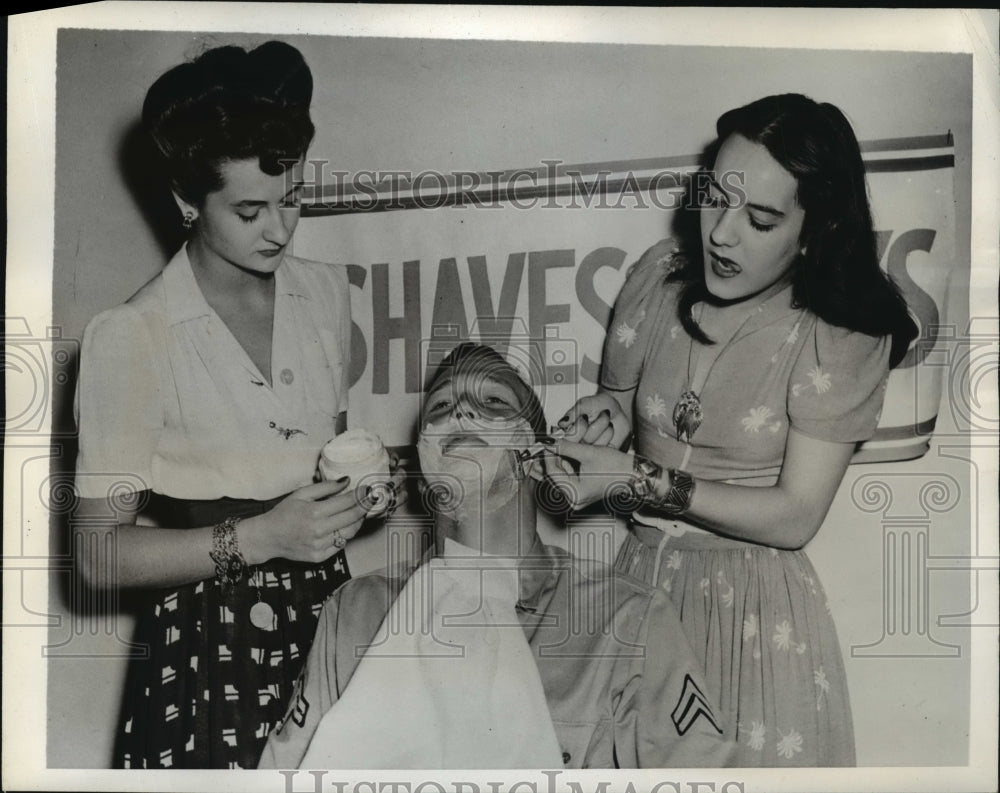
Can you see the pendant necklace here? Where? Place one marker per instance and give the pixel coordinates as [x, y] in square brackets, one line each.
[688, 414]
[261, 613]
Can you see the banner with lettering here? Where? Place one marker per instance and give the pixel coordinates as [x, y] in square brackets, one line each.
[530, 261]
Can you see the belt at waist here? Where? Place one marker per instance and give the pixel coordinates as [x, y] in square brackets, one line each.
[187, 513]
[184, 513]
[656, 532]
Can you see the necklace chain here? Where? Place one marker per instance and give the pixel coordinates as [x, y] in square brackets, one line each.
[688, 413]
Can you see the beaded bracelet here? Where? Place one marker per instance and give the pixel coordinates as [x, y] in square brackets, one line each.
[671, 493]
[230, 566]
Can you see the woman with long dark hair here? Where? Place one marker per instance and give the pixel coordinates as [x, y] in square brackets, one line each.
[203, 403]
[747, 367]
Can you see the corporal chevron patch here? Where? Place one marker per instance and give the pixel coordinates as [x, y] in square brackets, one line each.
[692, 704]
[302, 708]
[299, 706]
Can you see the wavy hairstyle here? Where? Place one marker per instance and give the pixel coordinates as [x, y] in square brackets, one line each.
[838, 277]
[229, 104]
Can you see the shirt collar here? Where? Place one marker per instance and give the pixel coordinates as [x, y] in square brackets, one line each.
[185, 300]
[776, 308]
[288, 279]
[537, 572]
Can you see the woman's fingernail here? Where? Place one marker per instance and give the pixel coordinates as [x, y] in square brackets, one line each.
[584, 418]
[604, 412]
[563, 421]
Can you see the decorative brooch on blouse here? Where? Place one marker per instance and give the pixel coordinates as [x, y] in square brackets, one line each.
[285, 433]
[687, 416]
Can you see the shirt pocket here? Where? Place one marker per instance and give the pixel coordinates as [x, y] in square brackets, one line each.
[579, 744]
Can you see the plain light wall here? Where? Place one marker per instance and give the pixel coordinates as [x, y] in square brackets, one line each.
[461, 105]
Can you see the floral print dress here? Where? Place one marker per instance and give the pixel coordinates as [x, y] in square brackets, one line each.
[756, 616]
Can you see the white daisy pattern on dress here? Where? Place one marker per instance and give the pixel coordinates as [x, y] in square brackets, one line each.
[626, 334]
[749, 627]
[790, 744]
[727, 593]
[668, 259]
[674, 560]
[819, 678]
[820, 380]
[757, 735]
[758, 418]
[793, 336]
[656, 408]
[782, 635]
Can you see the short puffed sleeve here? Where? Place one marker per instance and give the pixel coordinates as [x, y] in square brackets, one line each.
[641, 301]
[119, 407]
[838, 384]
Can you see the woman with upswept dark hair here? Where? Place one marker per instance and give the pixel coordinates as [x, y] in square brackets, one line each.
[203, 403]
[747, 366]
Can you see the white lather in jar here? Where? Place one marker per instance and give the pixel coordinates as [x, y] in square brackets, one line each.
[361, 455]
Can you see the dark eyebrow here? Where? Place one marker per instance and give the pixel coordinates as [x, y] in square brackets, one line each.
[769, 210]
[758, 207]
[443, 381]
[248, 202]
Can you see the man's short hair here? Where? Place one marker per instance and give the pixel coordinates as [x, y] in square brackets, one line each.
[479, 361]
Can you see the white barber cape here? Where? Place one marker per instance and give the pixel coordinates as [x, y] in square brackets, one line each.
[449, 681]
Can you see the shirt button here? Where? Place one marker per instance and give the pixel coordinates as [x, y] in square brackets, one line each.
[287, 377]
[566, 758]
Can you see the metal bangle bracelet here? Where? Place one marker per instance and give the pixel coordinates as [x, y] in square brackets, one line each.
[669, 490]
[230, 566]
[678, 498]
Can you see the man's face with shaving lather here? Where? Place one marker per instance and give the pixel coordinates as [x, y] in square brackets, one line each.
[472, 423]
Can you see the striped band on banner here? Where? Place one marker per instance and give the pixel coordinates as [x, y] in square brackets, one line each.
[392, 190]
[896, 443]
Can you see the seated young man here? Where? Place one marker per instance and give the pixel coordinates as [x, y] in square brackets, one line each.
[496, 651]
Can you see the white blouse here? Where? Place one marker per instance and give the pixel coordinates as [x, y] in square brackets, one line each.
[168, 400]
